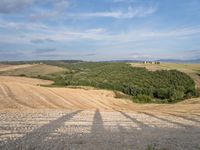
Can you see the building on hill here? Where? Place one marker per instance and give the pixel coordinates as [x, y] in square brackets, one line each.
[151, 62]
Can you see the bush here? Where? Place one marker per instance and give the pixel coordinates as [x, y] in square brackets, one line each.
[22, 75]
[177, 95]
[197, 92]
[142, 99]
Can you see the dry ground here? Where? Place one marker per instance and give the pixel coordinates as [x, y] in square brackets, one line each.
[81, 129]
[30, 70]
[13, 67]
[35, 117]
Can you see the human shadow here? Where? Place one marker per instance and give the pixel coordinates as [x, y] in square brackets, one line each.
[183, 117]
[97, 125]
[166, 120]
[100, 133]
[33, 139]
[139, 123]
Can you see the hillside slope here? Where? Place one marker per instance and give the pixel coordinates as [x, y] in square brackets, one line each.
[19, 93]
[22, 93]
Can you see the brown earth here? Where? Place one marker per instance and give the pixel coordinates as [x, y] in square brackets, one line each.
[12, 67]
[22, 93]
[29, 70]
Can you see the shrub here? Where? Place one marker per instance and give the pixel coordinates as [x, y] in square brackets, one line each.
[22, 75]
[177, 95]
[142, 99]
[197, 92]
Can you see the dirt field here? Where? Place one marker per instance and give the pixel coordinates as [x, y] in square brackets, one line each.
[15, 94]
[13, 67]
[29, 70]
[35, 117]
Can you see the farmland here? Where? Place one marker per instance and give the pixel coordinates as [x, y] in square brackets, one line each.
[141, 85]
[58, 114]
[30, 70]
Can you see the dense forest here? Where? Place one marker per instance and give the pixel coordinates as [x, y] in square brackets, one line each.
[141, 84]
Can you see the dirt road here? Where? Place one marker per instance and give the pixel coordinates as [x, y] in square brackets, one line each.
[99, 130]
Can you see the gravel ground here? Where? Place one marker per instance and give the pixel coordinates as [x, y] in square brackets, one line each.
[79, 129]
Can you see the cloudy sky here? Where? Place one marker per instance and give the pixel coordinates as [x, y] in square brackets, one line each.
[99, 29]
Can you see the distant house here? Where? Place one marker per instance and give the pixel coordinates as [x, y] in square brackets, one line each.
[151, 62]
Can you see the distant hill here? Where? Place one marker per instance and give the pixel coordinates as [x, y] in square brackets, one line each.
[50, 62]
[159, 60]
[180, 61]
[125, 60]
[54, 62]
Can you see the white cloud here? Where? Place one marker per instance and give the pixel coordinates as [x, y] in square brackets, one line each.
[119, 14]
[60, 7]
[30, 31]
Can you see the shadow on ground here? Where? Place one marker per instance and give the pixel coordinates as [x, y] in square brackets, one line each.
[109, 134]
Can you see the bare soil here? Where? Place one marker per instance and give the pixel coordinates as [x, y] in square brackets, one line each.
[13, 67]
[81, 129]
[30, 70]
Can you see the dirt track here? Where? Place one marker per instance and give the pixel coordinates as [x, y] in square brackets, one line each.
[98, 130]
[35, 117]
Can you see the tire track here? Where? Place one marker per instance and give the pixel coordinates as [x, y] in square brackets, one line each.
[13, 97]
[4, 91]
[61, 98]
[37, 99]
[40, 94]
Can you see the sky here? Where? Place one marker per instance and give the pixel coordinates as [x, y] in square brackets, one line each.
[96, 30]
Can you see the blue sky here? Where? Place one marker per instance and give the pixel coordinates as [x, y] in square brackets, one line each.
[99, 29]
